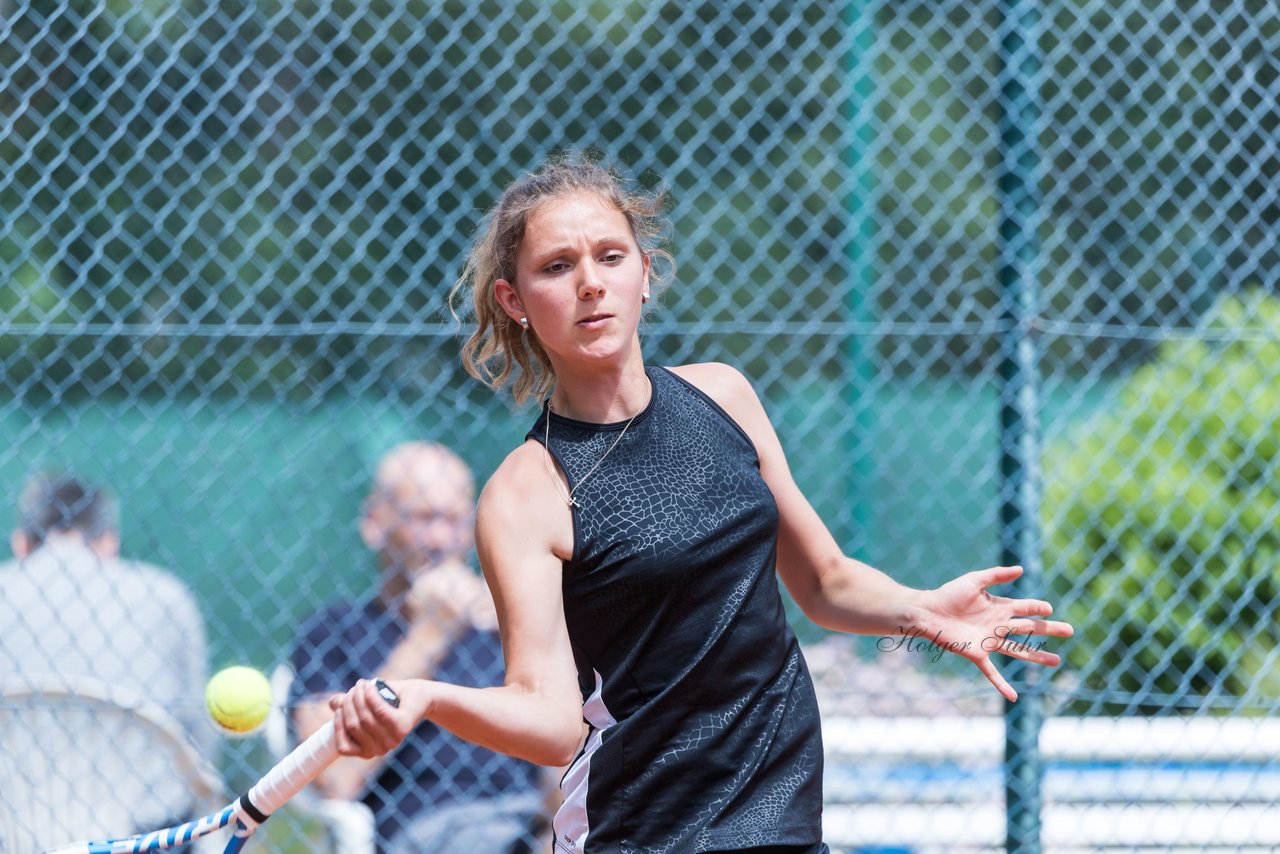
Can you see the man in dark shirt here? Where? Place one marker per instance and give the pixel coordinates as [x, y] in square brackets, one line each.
[432, 617]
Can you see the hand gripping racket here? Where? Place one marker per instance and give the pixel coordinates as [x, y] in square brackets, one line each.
[251, 809]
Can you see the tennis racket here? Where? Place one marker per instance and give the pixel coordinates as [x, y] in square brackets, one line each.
[247, 812]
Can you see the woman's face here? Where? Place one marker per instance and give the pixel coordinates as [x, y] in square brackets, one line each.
[580, 277]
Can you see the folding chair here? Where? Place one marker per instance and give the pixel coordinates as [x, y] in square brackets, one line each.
[80, 759]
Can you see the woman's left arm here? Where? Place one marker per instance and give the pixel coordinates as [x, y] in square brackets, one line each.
[841, 593]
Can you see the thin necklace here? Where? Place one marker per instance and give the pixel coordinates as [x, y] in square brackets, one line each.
[546, 442]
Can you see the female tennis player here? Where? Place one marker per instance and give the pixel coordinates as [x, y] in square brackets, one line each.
[631, 543]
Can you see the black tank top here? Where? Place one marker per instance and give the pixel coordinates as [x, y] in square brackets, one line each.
[704, 727]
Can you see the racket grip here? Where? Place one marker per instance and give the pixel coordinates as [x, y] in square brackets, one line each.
[288, 777]
[296, 770]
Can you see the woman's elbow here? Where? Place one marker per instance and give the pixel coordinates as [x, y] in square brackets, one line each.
[560, 743]
[808, 595]
[816, 586]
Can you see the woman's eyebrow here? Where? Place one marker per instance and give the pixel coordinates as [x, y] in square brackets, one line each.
[609, 240]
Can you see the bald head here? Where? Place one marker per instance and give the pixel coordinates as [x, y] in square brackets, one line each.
[420, 508]
[415, 467]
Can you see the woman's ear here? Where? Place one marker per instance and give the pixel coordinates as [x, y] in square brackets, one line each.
[505, 293]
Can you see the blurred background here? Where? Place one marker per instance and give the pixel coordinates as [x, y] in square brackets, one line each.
[1005, 274]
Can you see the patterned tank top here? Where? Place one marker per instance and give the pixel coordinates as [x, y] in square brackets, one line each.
[704, 731]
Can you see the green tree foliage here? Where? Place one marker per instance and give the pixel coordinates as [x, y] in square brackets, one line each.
[273, 198]
[1156, 146]
[257, 197]
[1164, 522]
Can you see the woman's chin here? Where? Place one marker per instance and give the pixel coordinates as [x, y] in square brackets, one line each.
[601, 352]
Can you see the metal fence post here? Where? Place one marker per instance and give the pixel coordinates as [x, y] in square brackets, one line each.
[1019, 434]
[860, 250]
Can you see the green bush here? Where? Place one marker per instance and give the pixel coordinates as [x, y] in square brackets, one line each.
[1162, 523]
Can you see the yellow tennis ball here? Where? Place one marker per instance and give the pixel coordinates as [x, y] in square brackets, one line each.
[239, 699]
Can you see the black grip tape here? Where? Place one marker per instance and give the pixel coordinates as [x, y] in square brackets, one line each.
[385, 692]
[250, 810]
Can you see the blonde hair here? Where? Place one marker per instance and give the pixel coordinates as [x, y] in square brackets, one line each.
[499, 348]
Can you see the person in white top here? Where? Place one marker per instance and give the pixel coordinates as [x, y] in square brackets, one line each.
[76, 616]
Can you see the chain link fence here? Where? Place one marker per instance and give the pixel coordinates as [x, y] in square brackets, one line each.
[227, 233]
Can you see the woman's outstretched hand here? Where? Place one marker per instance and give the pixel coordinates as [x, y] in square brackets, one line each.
[963, 617]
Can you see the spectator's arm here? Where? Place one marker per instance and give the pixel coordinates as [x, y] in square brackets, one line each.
[441, 604]
[444, 601]
[417, 655]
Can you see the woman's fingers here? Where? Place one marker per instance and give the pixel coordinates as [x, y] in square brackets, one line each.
[1022, 607]
[364, 724]
[379, 718]
[1031, 607]
[347, 737]
[1048, 628]
[997, 575]
[1026, 650]
[988, 668]
[1014, 639]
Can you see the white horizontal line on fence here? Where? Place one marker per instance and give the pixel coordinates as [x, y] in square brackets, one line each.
[1077, 739]
[1116, 784]
[1164, 827]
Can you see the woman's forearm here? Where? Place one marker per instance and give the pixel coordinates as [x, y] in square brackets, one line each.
[856, 598]
[509, 719]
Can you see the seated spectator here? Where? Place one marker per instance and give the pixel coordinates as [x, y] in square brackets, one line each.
[431, 617]
[94, 632]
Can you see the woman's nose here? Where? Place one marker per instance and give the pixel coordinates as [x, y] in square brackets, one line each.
[590, 284]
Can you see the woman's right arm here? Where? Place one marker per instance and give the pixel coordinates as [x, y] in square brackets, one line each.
[523, 532]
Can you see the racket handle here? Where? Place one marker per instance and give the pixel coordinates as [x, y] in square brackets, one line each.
[295, 771]
[288, 777]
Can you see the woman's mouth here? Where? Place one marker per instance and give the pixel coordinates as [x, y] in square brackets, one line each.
[594, 321]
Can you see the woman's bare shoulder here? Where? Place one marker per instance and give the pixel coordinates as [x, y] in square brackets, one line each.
[724, 384]
[717, 380]
[521, 503]
[520, 477]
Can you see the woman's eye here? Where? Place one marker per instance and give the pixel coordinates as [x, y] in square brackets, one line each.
[612, 257]
[556, 267]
